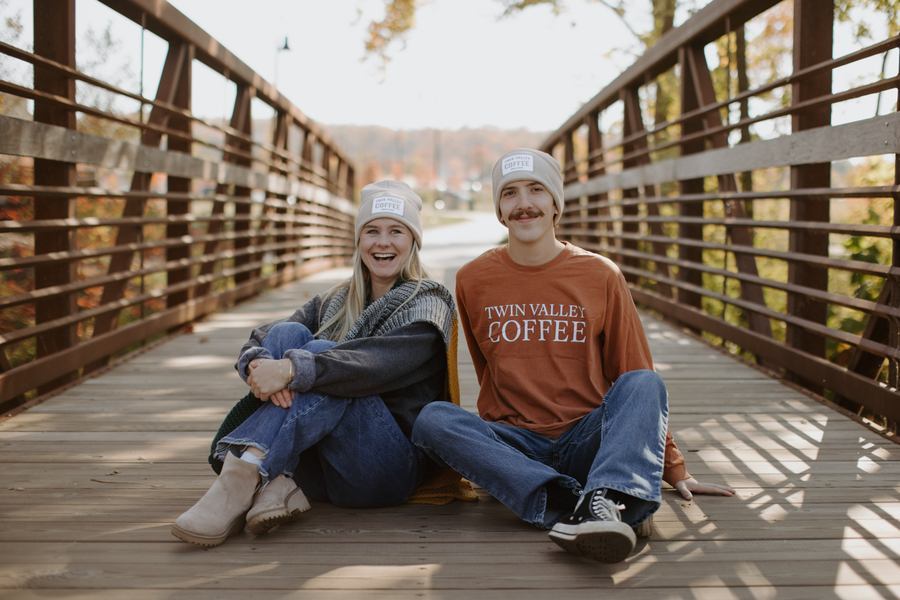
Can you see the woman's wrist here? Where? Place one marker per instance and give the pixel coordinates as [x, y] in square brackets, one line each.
[286, 380]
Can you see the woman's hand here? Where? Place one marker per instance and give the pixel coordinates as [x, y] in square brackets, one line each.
[266, 381]
[282, 398]
[689, 485]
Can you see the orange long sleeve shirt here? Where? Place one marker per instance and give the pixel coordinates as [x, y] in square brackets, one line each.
[549, 341]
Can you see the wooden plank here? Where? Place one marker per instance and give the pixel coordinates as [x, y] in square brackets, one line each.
[178, 453]
[568, 573]
[458, 553]
[675, 515]
[708, 592]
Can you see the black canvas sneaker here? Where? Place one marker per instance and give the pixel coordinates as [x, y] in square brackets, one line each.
[595, 530]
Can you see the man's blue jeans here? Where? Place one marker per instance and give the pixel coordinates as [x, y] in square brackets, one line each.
[618, 446]
[349, 451]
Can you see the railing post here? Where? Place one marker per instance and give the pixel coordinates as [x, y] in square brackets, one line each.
[54, 38]
[181, 99]
[633, 125]
[690, 102]
[306, 155]
[279, 141]
[893, 283]
[350, 184]
[596, 169]
[176, 59]
[570, 176]
[733, 209]
[326, 167]
[813, 37]
[241, 120]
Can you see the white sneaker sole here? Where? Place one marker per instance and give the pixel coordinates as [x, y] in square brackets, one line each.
[603, 541]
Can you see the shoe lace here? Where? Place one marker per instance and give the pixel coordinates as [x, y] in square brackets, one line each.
[605, 508]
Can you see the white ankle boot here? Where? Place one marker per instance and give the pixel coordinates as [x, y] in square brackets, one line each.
[221, 511]
[278, 502]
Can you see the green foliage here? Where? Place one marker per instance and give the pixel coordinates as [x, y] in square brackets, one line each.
[848, 11]
[16, 281]
[515, 6]
[400, 17]
[864, 287]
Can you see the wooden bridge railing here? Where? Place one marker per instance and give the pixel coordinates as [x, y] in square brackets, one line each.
[207, 214]
[736, 230]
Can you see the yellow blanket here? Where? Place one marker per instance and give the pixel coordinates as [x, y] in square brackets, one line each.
[447, 485]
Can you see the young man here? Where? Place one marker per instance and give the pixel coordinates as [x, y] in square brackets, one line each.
[572, 434]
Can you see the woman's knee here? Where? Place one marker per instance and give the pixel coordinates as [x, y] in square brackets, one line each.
[286, 336]
[316, 346]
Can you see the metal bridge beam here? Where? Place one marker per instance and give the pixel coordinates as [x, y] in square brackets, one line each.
[54, 38]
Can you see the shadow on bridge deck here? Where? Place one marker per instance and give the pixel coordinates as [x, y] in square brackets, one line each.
[93, 478]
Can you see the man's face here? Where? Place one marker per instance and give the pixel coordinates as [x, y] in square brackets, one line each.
[528, 210]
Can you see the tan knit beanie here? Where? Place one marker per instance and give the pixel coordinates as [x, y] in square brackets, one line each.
[523, 164]
[393, 200]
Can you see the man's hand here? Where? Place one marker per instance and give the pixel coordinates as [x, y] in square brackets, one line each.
[689, 486]
[266, 382]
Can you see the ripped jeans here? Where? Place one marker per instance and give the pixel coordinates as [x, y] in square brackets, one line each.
[349, 451]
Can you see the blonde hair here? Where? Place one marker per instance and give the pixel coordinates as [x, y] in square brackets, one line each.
[359, 288]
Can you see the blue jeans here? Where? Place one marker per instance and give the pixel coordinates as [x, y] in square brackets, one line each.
[619, 446]
[349, 451]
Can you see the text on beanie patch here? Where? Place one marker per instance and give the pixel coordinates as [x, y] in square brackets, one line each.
[518, 162]
[388, 204]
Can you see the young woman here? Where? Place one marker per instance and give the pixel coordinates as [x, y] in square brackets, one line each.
[337, 386]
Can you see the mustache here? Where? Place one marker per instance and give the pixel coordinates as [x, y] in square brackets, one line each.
[531, 213]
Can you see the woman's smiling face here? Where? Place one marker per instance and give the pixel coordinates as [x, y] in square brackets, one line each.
[384, 246]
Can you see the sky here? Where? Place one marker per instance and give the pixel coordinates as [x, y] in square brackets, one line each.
[463, 65]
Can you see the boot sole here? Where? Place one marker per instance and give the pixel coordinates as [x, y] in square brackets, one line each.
[604, 542]
[208, 541]
[645, 529]
[264, 521]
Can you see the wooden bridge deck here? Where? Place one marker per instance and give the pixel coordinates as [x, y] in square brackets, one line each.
[93, 478]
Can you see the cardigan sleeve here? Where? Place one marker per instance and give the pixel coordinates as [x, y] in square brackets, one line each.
[372, 365]
[307, 315]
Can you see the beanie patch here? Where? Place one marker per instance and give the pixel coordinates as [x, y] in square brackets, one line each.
[388, 204]
[390, 200]
[518, 162]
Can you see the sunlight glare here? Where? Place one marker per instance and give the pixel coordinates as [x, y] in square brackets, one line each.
[202, 360]
[868, 465]
[365, 577]
[872, 522]
[861, 549]
[760, 501]
[752, 577]
[773, 513]
[796, 499]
